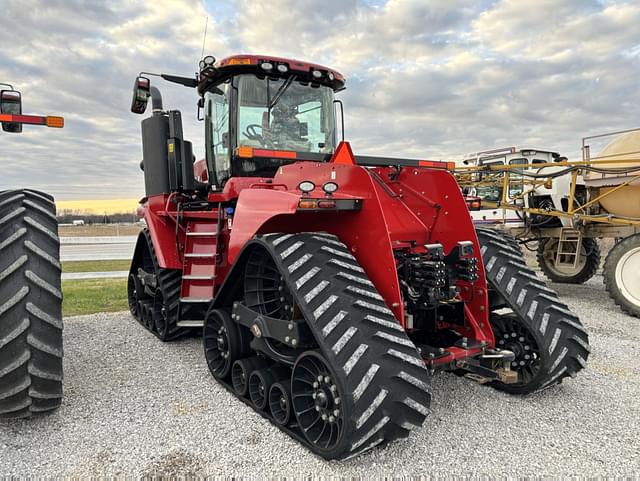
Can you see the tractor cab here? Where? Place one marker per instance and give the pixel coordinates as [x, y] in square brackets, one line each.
[260, 113]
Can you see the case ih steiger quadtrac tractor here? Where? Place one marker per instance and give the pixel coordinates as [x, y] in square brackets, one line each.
[30, 295]
[330, 287]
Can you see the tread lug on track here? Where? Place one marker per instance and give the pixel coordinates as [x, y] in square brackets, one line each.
[30, 305]
[358, 335]
[563, 340]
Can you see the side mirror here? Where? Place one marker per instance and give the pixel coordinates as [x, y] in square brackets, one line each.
[201, 108]
[141, 94]
[11, 103]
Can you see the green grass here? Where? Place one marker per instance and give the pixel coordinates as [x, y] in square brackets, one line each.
[94, 295]
[95, 266]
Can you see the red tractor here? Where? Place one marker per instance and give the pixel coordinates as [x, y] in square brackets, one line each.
[30, 295]
[329, 287]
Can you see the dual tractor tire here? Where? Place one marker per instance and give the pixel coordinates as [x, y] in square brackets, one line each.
[30, 305]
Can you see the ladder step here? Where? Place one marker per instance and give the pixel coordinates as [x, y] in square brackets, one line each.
[190, 277]
[202, 234]
[199, 256]
[190, 323]
[196, 299]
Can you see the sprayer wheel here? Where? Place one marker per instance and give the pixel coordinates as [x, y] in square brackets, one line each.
[587, 265]
[622, 274]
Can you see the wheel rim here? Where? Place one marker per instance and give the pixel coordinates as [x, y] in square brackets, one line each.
[628, 276]
[514, 336]
[257, 389]
[280, 403]
[316, 401]
[265, 290]
[239, 378]
[159, 315]
[132, 296]
[217, 346]
[549, 255]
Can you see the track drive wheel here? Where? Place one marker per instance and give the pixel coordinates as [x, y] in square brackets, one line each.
[30, 305]
[622, 274]
[587, 266]
[547, 338]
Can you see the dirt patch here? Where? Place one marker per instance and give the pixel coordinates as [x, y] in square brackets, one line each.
[175, 463]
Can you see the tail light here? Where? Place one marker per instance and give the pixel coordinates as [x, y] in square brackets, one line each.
[474, 204]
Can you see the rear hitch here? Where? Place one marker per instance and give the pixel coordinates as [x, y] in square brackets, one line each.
[490, 365]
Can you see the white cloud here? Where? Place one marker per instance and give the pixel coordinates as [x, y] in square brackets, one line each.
[426, 78]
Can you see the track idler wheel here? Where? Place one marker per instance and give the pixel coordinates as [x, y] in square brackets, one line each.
[223, 341]
[260, 383]
[240, 372]
[133, 288]
[280, 402]
[318, 402]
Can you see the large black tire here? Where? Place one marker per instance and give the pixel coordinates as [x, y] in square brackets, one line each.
[557, 342]
[163, 305]
[588, 263]
[30, 305]
[622, 274]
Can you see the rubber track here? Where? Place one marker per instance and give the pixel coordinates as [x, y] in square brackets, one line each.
[561, 335]
[30, 305]
[169, 283]
[590, 268]
[358, 335]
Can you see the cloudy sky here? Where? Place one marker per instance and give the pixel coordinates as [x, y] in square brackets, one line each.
[426, 78]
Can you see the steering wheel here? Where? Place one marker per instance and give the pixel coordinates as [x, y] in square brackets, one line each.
[251, 132]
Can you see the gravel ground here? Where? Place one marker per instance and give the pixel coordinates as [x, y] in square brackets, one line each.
[135, 406]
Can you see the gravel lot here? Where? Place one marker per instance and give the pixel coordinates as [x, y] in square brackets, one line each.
[135, 406]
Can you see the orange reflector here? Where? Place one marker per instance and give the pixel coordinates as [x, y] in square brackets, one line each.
[57, 122]
[308, 204]
[436, 164]
[244, 151]
[280, 154]
[343, 155]
[239, 61]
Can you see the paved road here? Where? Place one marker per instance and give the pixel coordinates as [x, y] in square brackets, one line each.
[93, 252]
[94, 275]
[135, 406]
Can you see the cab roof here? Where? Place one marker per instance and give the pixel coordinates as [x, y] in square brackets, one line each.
[271, 66]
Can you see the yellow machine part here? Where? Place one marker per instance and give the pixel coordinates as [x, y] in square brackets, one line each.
[625, 201]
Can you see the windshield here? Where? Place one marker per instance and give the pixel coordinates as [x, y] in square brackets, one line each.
[284, 114]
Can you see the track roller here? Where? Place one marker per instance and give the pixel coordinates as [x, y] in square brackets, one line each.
[260, 382]
[280, 402]
[240, 372]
